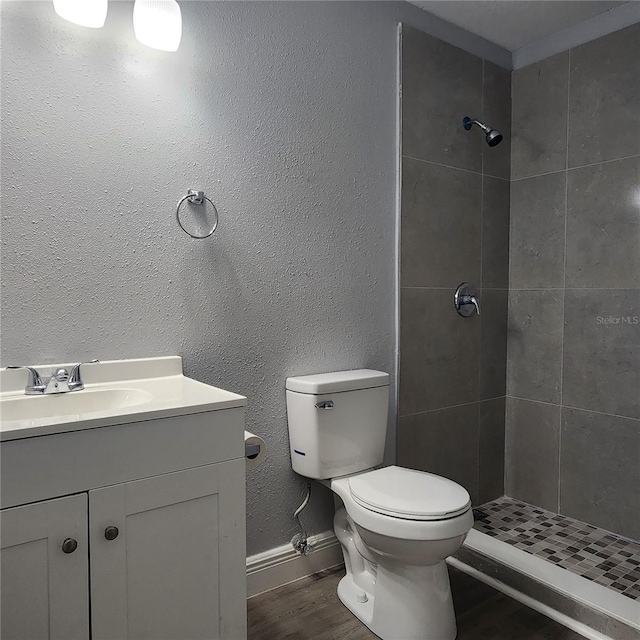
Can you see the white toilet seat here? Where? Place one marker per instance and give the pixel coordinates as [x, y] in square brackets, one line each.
[409, 494]
[402, 526]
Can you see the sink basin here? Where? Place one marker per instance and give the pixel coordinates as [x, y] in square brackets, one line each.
[116, 392]
[76, 403]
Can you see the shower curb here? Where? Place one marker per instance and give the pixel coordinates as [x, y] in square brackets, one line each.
[589, 609]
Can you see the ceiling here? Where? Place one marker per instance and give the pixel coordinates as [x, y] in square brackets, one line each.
[513, 24]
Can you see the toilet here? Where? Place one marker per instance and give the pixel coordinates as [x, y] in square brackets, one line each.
[396, 526]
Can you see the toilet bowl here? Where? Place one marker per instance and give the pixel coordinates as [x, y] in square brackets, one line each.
[396, 579]
[396, 526]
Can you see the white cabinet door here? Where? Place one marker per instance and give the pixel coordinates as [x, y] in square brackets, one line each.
[45, 591]
[176, 570]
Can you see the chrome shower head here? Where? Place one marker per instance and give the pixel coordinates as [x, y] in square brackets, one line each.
[493, 137]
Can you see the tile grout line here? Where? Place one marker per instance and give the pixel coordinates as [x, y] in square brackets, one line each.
[572, 288]
[506, 367]
[489, 175]
[451, 287]
[593, 164]
[564, 280]
[452, 406]
[482, 115]
[398, 240]
[448, 166]
[552, 404]
[539, 175]
[567, 168]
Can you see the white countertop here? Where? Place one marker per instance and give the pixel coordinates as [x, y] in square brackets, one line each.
[161, 389]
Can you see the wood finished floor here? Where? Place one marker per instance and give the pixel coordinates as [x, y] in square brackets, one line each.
[310, 610]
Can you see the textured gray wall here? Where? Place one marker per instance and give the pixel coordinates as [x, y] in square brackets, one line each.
[455, 228]
[285, 113]
[573, 374]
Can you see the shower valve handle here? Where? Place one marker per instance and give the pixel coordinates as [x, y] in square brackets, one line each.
[470, 300]
[465, 300]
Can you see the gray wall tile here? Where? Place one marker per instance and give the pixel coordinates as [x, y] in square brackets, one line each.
[493, 343]
[442, 237]
[531, 466]
[604, 118]
[491, 431]
[535, 345]
[440, 85]
[439, 352]
[603, 225]
[443, 442]
[602, 351]
[496, 113]
[537, 232]
[495, 233]
[600, 472]
[590, 97]
[539, 123]
[441, 225]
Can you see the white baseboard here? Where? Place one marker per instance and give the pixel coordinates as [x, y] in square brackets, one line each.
[282, 565]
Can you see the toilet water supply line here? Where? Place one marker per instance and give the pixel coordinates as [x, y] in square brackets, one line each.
[300, 540]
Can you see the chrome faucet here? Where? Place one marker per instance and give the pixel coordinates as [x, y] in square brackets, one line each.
[60, 381]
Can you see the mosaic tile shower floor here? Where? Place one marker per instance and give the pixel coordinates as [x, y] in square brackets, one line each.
[596, 554]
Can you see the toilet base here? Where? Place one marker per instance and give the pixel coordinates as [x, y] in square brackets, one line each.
[348, 592]
[409, 603]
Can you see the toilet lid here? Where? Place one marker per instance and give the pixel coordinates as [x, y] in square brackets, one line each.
[404, 493]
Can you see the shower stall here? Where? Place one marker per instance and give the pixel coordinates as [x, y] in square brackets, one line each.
[534, 404]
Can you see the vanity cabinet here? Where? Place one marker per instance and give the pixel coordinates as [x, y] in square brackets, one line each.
[164, 574]
[151, 543]
[45, 591]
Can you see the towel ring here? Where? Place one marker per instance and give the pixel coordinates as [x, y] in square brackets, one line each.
[197, 197]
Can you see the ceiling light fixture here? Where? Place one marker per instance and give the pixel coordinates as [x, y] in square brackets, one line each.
[87, 13]
[158, 23]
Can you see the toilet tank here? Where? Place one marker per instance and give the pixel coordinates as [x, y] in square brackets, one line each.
[337, 422]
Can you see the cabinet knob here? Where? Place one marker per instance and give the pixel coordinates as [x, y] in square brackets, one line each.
[111, 533]
[69, 545]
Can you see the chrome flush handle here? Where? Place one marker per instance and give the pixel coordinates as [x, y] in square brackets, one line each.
[324, 404]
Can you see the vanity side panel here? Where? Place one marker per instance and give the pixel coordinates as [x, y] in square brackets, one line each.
[233, 549]
[43, 467]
